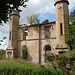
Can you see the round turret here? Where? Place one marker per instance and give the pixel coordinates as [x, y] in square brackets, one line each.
[62, 21]
[57, 1]
[15, 12]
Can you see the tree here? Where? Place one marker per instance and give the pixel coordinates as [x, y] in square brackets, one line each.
[33, 19]
[72, 17]
[7, 5]
[2, 54]
[70, 38]
[51, 58]
[65, 61]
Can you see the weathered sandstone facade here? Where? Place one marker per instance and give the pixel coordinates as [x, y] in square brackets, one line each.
[39, 38]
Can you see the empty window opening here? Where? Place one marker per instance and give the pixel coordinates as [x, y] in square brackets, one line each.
[9, 55]
[26, 34]
[61, 30]
[47, 49]
[47, 32]
[10, 36]
[61, 52]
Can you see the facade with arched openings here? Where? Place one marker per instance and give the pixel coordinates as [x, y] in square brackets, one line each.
[39, 38]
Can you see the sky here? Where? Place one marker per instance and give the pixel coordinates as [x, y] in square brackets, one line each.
[45, 9]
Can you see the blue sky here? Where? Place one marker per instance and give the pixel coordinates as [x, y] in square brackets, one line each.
[45, 8]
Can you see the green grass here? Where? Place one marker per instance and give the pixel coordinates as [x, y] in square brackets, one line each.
[22, 67]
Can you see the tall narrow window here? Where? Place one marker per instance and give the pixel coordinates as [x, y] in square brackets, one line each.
[10, 36]
[26, 34]
[47, 32]
[61, 30]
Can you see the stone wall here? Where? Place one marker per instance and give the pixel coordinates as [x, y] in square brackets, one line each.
[33, 41]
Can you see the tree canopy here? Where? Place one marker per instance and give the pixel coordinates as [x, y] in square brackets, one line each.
[72, 17]
[33, 19]
[70, 38]
[7, 5]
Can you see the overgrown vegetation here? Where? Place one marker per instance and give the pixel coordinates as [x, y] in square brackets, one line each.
[70, 38]
[33, 19]
[24, 52]
[21, 67]
[65, 62]
[2, 54]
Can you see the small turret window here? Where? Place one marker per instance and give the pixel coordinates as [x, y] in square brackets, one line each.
[61, 30]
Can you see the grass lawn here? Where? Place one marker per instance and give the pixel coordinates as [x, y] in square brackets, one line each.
[22, 67]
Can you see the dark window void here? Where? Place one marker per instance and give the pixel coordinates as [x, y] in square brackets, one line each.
[10, 36]
[47, 49]
[61, 30]
[9, 55]
[61, 52]
[47, 32]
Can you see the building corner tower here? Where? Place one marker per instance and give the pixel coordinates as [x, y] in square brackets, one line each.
[11, 51]
[62, 24]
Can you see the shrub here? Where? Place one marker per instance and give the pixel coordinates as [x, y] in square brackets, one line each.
[24, 52]
[21, 67]
[65, 61]
[2, 54]
[72, 72]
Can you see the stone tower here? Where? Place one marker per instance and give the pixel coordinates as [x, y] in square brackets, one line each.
[11, 51]
[62, 21]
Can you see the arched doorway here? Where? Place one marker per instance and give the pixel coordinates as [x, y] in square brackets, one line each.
[47, 49]
[24, 53]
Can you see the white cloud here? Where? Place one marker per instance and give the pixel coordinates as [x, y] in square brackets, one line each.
[3, 44]
[40, 6]
[3, 47]
[46, 17]
[72, 4]
[4, 30]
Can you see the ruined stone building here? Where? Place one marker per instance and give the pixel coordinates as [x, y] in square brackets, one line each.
[39, 38]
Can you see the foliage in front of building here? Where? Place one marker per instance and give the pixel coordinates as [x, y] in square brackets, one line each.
[65, 61]
[2, 54]
[21, 67]
[24, 52]
[70, 38]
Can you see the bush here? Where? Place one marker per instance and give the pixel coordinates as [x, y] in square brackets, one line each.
[24, 52]
[72, 72]
[65, 61]
[21, 67]
[2, 54]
